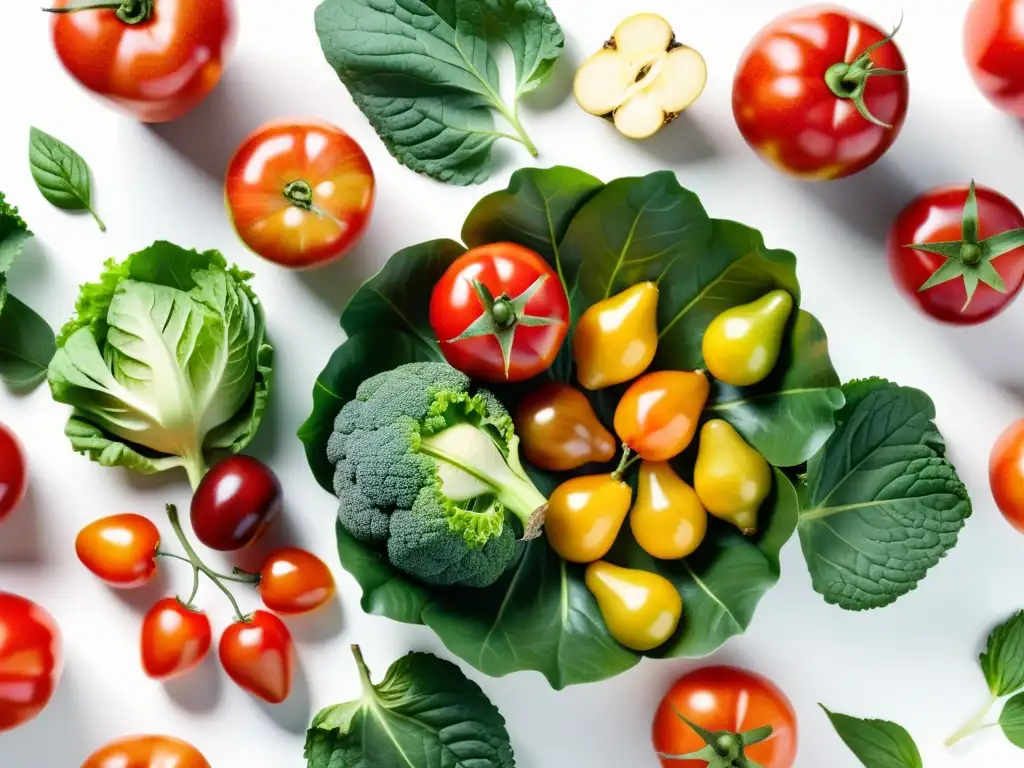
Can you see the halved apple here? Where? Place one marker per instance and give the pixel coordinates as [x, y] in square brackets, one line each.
[642, 78]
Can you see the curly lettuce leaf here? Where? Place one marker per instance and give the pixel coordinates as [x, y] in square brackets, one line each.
[14, 233]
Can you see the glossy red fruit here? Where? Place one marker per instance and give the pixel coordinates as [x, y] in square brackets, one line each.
[259, 656]
[30, 660]
[235, 502]
[120, 549]
[295, 581]
[13, 474]
[147, 752]
[175, 639]
[994, 48]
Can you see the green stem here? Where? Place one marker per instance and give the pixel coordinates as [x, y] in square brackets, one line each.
[173, 556]
[195, 466]
[624, 462]
[195, 587]
[198, 565]
[299, 194]
[128, 11]
[975, 724]
[103, 227]
[364, 671]
[242, 577]
[513, 120]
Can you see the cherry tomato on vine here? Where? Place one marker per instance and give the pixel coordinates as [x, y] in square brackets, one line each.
[300, 192]
[994, 47]
[295, 581]
[729, 702]
[958, 253]
[147, 752]
[154, 59]
[175, 639]
[820, 93]
[120, 549]
[13, 473]
[30, 660]
[259, 656]
[235, 503]
[1006, 474]
[500, 313]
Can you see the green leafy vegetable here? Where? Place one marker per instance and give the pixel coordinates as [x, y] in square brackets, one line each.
[165, 360]
[424, 712]
[1011, 720]
[61, 174]
[880, 503]
[14, 233]
[877, 743]
[429, 470]
[424, 73]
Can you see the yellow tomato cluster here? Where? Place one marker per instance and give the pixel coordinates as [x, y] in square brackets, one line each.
[656, 419]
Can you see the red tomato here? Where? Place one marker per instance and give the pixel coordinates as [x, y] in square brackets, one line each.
[175, 639]
[120, 549]
[156, 69]
[938, 217]
[13, 475]
[1006, 474]
[300, 193]
[30, 660]
[146, 752]
[295, 581]
[994, 46]
[259, 656]
[235, 502]
[813, 100]
[728, 702]
[500, 313]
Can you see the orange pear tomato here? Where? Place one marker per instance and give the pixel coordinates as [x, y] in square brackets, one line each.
[657, 416]
[559, 431]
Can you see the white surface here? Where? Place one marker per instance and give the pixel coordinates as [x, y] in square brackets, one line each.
[913, 662]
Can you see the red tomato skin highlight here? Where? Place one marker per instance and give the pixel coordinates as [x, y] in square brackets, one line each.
[788, 114]
[994, 48]
[294, 581]
[30, 660]
[936, 216]
[155, 71]
[175, 639]
[1006, 474]
[13, 472]
[259, 656]
[335, 167]
[121, 549]
[725, 699]
[503, 268]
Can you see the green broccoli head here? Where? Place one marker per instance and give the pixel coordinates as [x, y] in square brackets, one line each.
[431, 472]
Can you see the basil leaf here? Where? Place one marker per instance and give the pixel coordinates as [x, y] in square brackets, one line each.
[26, 343]
[880, 503]
[1003, 660]
[876, 743]
[1011, 720]
[61, 174]
[424, 712]
[14, 233]
[424, 73]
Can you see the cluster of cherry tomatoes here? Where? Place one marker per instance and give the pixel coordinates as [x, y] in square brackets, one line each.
[233, 505]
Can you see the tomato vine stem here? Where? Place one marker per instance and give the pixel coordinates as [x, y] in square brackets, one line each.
[129, 11]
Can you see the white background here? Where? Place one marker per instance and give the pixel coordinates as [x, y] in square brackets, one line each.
[914, 662]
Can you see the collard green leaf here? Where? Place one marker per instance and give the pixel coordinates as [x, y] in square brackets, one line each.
[14, 233]
[26, 342]
[880, 504]
[61, 174]
[540, 616]
[788, 416]
[1003, 659]
[877, 743]
[424, 73]
[1011, 720]
[424, 712]
[398, 297]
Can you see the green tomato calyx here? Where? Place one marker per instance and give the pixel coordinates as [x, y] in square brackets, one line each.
[849, 80]
[969, 258]
[501, 316]
[722, 749]
[128, 11]
[299, 194]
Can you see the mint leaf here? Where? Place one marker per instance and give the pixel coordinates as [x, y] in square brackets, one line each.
[1011, 720]
[14, 233]
[61, 174]
[876, 743]
[424, 73]
[880, 503]
[1003, 660]
[424, 712]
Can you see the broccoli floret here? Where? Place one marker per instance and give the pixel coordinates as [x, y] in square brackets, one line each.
[430, 471]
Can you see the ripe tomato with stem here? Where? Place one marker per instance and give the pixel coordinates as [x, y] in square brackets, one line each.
[257, 652]
[120, 549]
[175, 639]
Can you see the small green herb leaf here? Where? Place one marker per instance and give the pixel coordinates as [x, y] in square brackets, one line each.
[61, 174]
[424, 712]
[1003, 660]
[876, 743]
[26, 343]
[1011, 720]
[14, 233]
